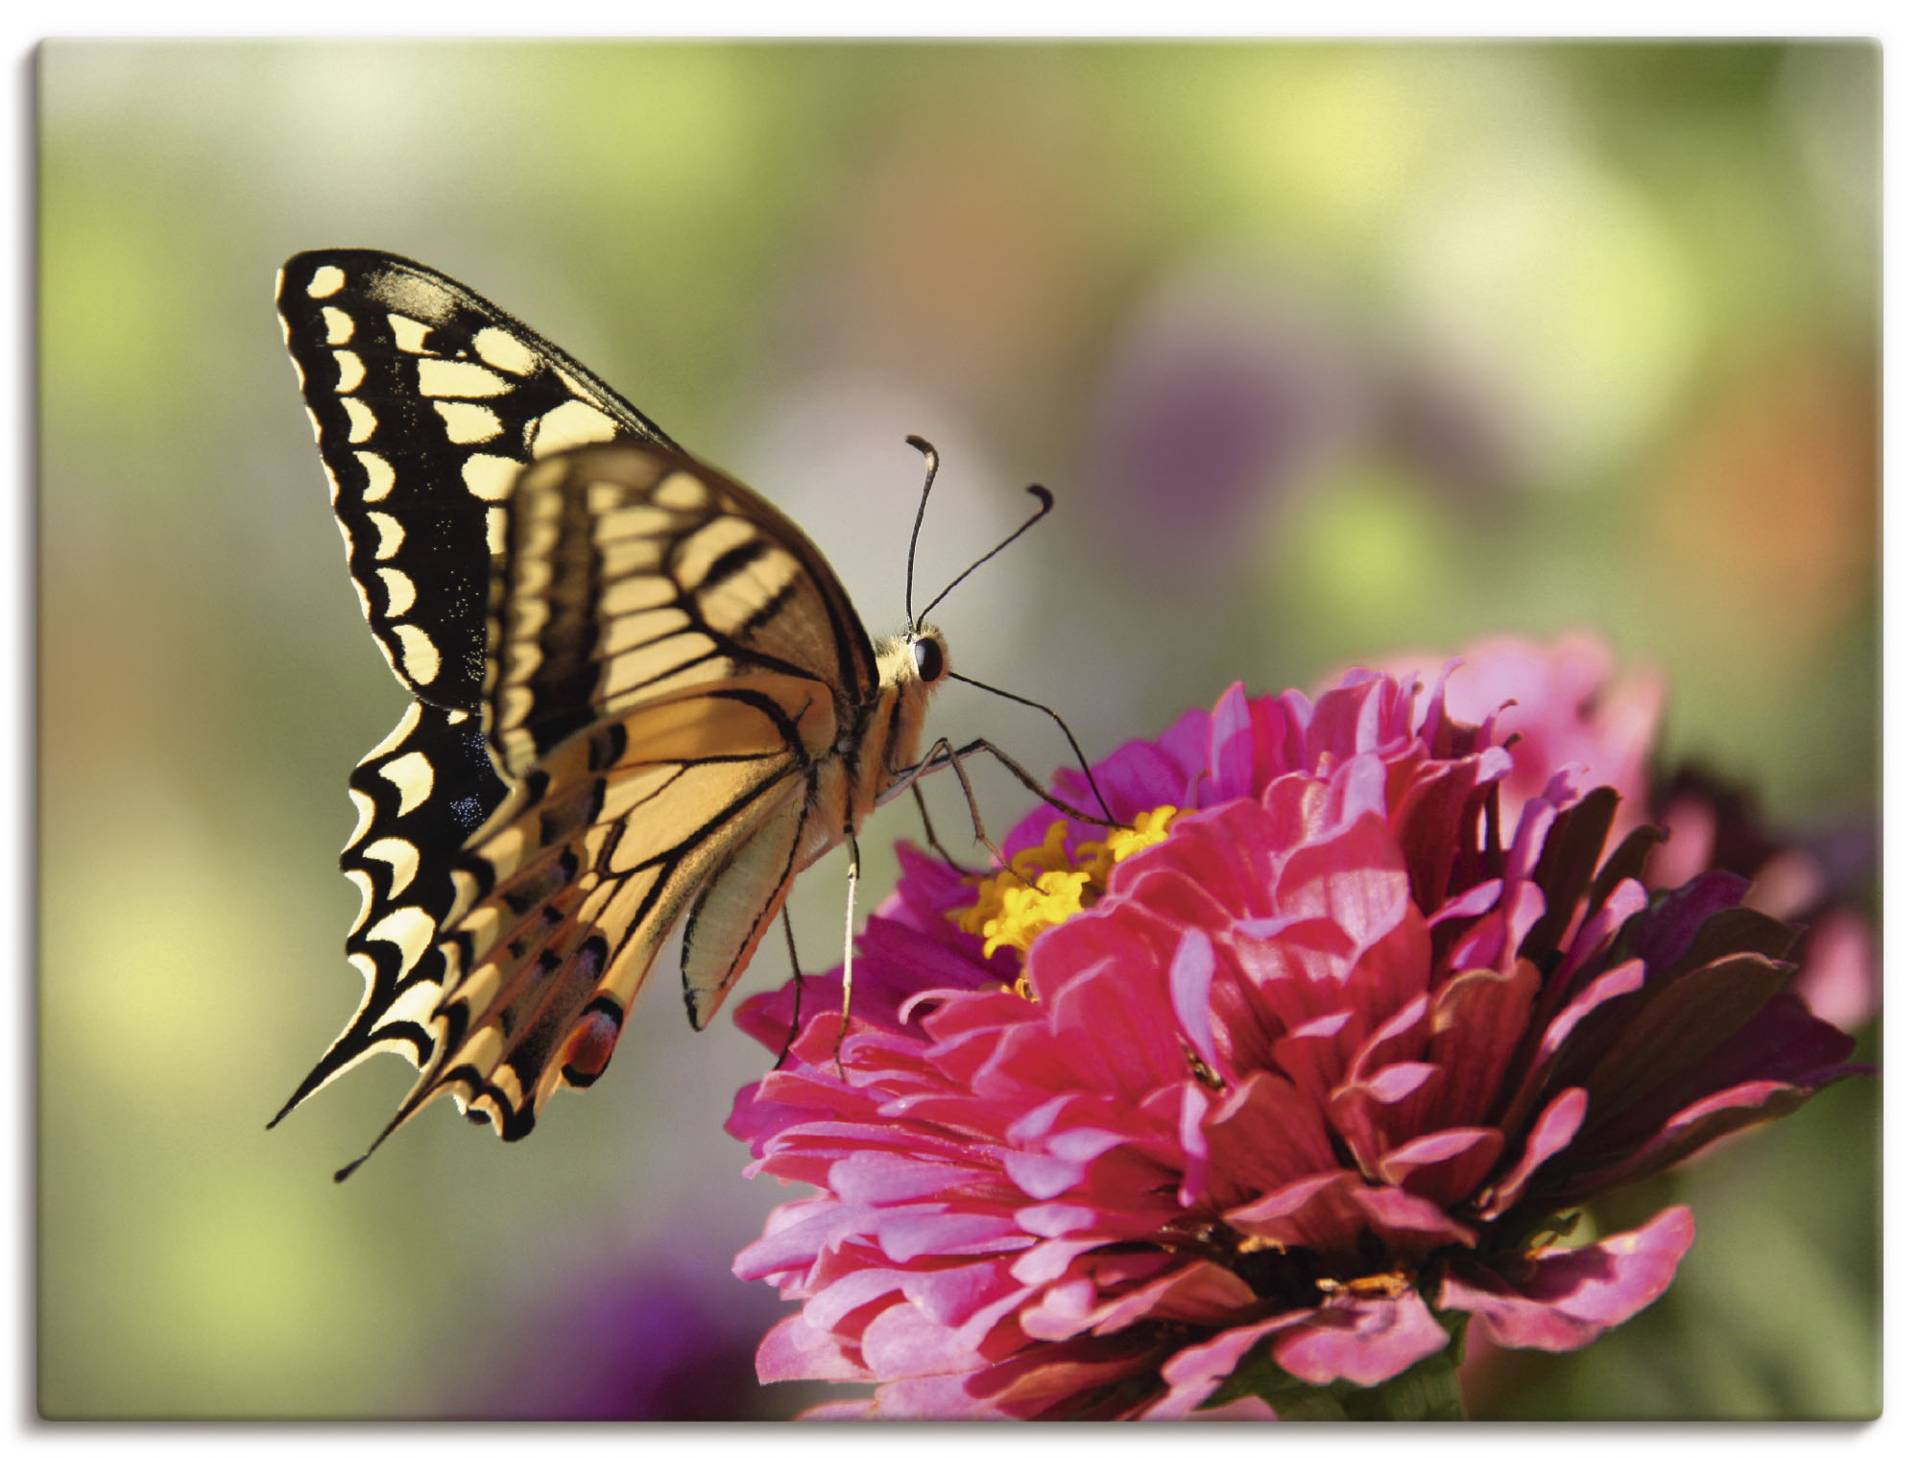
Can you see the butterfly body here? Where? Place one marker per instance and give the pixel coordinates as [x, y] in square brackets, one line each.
[640, 694]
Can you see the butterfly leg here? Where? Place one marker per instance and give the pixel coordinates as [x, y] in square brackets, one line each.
[799, 984]
[846, 966]
[926, 823]
[942, 753]
[1019, 772]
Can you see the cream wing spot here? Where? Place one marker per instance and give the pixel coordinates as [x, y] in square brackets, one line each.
[402, 855]
[363, 883]
[363, 810]
[417, 1003]
[327, 281]
[508, 1082]
[379, 475]
[731, 604]
[497, 530]
[636, 594]
[482, 1050]
[489, 477]
[613, 523]
[400, 592]
[467, 424]
[626, 558]
[408, 928]
[458, 379]
[409, 335]
[681, 492]
[392, 534]
[314, 421]
[501, 350]
[418, 655]
[353, 371]
[699, 552]
[466, 890]
[360, 421]
[574, 423]
[626, 633]
[412, 775]
[339, 324]
[630, 670]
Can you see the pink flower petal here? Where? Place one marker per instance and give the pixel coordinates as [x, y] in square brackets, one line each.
[1360, 1339]
[1570, 1297]
[796, 1352]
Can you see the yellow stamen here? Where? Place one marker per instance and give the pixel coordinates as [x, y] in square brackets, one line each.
[1047, 884]
[1385, 1283]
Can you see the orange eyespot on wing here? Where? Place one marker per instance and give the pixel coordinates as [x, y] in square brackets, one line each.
[589, 1047]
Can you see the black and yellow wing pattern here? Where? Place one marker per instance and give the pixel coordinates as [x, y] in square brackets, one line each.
[625, 669]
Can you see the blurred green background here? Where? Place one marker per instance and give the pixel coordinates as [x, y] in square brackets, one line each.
[1328, 351]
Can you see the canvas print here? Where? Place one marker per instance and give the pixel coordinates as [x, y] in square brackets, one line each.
[1148, 731]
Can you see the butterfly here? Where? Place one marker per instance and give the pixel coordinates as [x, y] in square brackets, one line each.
[639, 694]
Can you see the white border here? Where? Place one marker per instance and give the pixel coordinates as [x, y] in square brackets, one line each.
[1895, 25]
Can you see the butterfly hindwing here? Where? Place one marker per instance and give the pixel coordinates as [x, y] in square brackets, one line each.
[566, 895]
[419, 794]
[667, 666]
[738, 904]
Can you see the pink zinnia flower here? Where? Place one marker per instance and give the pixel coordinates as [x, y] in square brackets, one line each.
[1564, 705]
[1246, 1094]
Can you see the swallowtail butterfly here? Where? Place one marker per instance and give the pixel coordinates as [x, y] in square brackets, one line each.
[638, 692]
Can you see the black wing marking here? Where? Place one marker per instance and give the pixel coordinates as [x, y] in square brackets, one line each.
[567, 893]
[633, 572]
[426, 401]
[421, 793]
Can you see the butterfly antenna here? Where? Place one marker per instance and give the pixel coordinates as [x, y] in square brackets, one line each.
[926, 449]
[1045, 498]
[1085, 768]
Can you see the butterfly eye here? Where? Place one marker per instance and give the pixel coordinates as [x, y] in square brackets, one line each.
[929, 662]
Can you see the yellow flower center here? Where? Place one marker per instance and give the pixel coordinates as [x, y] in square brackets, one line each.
[1047, 883]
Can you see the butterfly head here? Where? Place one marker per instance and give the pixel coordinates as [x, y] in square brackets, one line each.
[914, 662]
[929, 652]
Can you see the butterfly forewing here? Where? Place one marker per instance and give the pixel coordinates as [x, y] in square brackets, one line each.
[426, 402]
